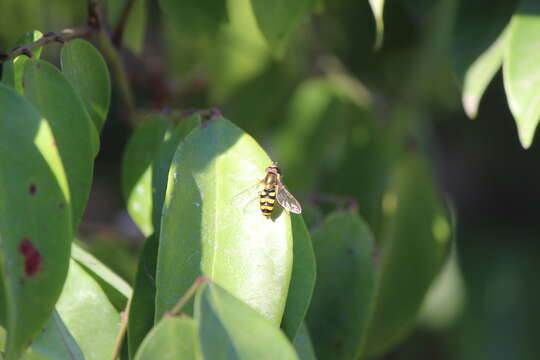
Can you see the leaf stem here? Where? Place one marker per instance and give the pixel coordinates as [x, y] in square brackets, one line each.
[175, 311]
[123, 330]
[119, 30]
[119, 72]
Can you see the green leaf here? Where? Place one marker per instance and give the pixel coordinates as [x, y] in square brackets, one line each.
[12, 71]
[141, 313]
[477, 43]
[344, 292]
[230, 329]
[140, 152]
[87, 72]
[377, 6]
[135, 30]
[88, 314]
[56, 342]
[162, 163]
[201, 230]
[173, 338]
[521, 70]
[76, 137]
[35, 220]
[480, 74]
[278, 19]
[195, 18]
[117, 290]
[302, 344]
[303, 278]
[312, 136]
[415, 242]
[145, 168]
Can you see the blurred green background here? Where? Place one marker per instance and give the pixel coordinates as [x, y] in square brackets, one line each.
[337, 115]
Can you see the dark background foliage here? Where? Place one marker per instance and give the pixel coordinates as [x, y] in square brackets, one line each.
[488, 307]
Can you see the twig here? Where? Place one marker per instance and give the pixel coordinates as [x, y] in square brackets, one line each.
[50, 37]
[123, 330]
[175, 311]
[119, 30]
[119, 72]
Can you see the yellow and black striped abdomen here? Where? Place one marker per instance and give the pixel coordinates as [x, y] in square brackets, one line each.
[267, 201]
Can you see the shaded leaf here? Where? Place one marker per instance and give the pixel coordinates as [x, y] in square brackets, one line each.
[145, 168]
[75, 136]
[87, 72]
[302, 344]
[377, 6]
[201, 230]
[477, 46]
[117, 290]
[139, 154]
[195, 18]
[35, 220]
[12, 71]
[88, 314]
[344, 292]
[278, 19]
[302, 280]
[227, 327]
[141, 313]
[56, 342]
[521, 70]
[162, 163]
[416, 236]
[172, 338]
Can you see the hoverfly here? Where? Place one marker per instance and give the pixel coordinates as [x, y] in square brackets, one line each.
[270, 189]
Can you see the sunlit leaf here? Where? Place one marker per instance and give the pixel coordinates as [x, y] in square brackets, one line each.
[87, 72]
[521, 70]
[338, 316]
[141, 314]
[173, 338]
[415, 240]
[35, 220]
[139, 155]
[88, 314]
[377, 6]
[12, 71]
[230, 329]
[201, 230]
[303, 278]
[113, 285]
[145, 168]
[75, 136]
[477, 46]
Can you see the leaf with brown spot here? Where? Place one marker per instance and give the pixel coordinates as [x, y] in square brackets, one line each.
[36, 238]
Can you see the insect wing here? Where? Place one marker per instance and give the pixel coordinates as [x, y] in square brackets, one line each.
[246, 197]
[287, 201]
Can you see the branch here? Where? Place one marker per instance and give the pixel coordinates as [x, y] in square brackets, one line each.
[119, 30]
[50, 37]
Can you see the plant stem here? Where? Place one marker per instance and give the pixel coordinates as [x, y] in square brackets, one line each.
[119, 30]
[119, 72]
[123, 330]
[187, 296]
[50, 37]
